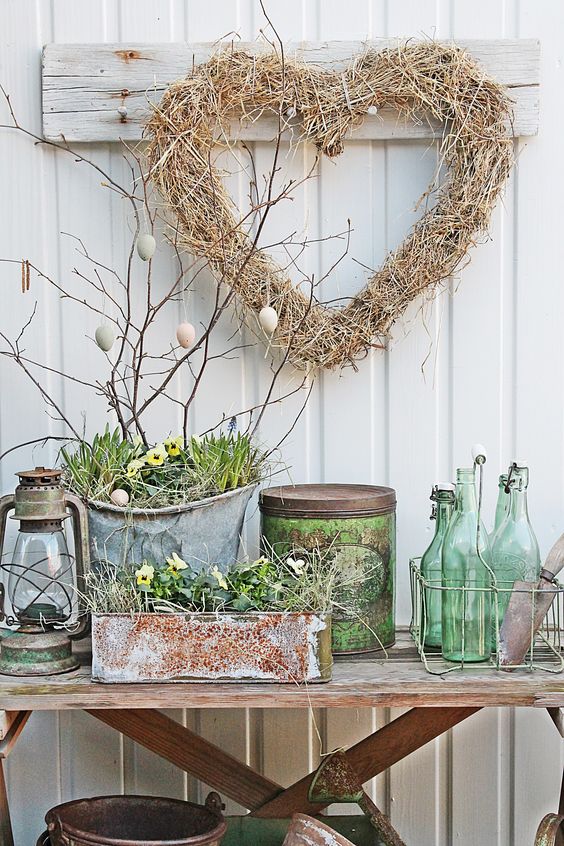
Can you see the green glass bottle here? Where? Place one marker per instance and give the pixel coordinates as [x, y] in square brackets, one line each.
[442, 497]
[466, 617]
[515, 549]
[502, 506]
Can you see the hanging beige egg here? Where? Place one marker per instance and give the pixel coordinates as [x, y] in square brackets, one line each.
[185, 335]
[119, 497]
[105, 337]
[146, 246]
[268, 319]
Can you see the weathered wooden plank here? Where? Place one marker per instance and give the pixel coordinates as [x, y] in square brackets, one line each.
[191, 753]
[6, 720]
[399, 681]
[557, 715]
[6, 834]
[373, 755]
[16, 728]
[84, 86]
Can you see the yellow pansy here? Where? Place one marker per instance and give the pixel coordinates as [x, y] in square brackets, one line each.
[174, 445]
[134, 467]
[145, 574]
[175, 564]
[155, 458]
[219, 577]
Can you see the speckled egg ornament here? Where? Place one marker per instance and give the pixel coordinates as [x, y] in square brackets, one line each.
[105, 337]
[185, 335]
[119, 497]
[146, 246]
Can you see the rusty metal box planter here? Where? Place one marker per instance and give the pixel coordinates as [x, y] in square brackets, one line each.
[204, 647]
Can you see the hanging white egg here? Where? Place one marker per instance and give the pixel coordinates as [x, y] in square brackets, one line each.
[119, 497]
[268, 319]
[146, 246]
[185, 335]
[105, 337]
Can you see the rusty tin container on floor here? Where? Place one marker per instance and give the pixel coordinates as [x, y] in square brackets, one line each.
[355, 525]
[203, 647]
[135, 821]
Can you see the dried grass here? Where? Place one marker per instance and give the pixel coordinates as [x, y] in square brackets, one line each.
[418, 80]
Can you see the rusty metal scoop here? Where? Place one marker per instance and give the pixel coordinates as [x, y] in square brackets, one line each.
[336, 781]
[527, 608]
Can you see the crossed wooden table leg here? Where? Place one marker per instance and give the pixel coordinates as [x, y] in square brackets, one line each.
[231, 777]
[263, 797]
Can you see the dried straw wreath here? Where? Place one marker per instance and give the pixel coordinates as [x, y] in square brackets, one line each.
[419, 81]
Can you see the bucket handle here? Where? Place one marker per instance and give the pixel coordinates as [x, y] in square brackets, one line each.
[55, 826]
[214, 803]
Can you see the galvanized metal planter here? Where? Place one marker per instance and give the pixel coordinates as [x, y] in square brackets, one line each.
[203, 647]
[202, 532]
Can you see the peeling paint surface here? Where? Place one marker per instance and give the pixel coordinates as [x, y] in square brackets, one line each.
[258, 647]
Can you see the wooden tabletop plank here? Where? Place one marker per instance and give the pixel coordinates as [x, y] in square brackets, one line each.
[398, 681]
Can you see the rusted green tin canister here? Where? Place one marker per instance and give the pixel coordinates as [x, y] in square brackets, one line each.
[355, 524]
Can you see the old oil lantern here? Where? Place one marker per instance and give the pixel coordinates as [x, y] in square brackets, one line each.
[44, 579]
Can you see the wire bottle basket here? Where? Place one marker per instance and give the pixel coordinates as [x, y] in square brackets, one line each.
[546, 650]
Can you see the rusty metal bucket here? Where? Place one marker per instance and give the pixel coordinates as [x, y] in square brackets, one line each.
[135, 821]
[307, 831]
[550, 831]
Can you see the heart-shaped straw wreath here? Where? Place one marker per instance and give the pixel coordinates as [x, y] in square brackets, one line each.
[418, 80]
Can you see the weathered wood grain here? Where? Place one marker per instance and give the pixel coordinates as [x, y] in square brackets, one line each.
[6, 834]
[557, 716]
[84, 86]
[373, 755]
[11, 736]
[399, 681]
[191, 753]
[6, 720]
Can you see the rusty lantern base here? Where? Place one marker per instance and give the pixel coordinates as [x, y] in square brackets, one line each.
[44, 654]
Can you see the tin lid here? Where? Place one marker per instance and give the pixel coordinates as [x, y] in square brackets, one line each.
[327, 500]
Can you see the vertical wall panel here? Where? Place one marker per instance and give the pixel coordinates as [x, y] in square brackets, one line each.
[483, 362]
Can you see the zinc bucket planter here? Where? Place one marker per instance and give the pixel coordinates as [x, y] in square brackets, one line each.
[202, 532]
[291, 647]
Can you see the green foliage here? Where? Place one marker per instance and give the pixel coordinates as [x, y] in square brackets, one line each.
[310, 583]
[167, 473]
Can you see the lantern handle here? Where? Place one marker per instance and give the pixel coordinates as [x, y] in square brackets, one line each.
[7, 503]
[82, 557]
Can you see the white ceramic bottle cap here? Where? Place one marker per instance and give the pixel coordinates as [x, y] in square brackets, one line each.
[445, 486]
[520, 462]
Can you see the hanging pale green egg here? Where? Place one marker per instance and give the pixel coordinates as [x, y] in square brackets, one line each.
[146, 246]
[105, 337]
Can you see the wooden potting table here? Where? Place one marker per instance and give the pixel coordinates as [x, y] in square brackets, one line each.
[436, 704]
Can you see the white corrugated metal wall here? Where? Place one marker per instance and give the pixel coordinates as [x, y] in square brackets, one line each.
[494, 360]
